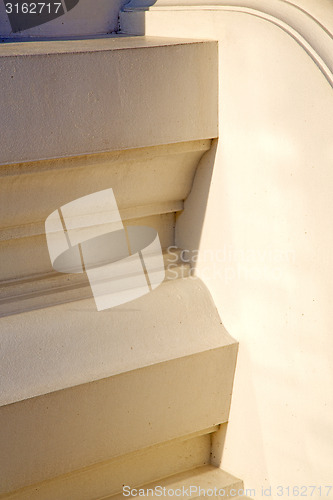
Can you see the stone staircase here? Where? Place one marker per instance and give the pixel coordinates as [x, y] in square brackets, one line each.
[138, 394]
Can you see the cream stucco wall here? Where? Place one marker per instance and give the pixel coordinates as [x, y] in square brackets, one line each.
[270, 208]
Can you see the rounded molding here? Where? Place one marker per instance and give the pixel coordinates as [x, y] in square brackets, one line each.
[309, 23]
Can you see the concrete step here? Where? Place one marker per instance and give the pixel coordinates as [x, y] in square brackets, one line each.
[140, 467]
[105, 95]
[30, 192]
[80, 386]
